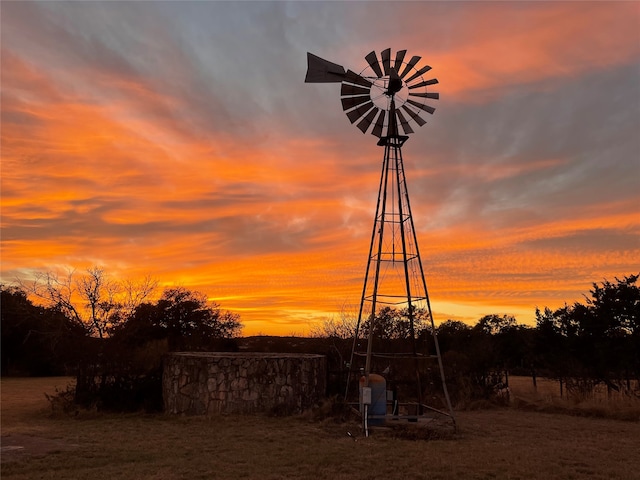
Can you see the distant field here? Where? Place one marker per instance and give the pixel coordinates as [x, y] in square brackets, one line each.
[599, 403]
[549, 388]
[497, 443]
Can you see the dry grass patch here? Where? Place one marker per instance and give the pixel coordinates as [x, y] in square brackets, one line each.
[546, 398]
[499, 443]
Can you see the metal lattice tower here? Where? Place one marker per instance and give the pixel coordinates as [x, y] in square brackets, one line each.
[391, 95]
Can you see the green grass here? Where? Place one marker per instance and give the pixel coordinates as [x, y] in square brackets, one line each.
[497, 443]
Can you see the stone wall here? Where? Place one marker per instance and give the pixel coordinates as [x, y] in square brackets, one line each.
[209, 383]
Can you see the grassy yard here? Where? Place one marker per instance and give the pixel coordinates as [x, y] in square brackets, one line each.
[497, 443]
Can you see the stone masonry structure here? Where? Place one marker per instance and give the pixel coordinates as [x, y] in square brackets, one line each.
[209, 383]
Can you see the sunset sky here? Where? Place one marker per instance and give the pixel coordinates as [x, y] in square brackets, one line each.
[179, 140]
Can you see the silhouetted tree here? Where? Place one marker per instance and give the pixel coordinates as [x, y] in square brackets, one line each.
[36, 340]
[127, 373]
[495, 324]
[342, 328]
[93, 298]
[186, 319]
[594, 342]
[510, 343]
[393, 324]
[453, 335]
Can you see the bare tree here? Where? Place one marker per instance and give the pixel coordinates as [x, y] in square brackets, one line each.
[135, 292]
[341, 328]
[54, 291]
[99, 294]
[93, 298]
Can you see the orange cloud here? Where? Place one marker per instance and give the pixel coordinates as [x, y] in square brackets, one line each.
[541, 42]
[155, 162]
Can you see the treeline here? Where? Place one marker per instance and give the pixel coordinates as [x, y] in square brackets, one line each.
[43, 341]
[109, 334]
[112, 337]
[582, 345]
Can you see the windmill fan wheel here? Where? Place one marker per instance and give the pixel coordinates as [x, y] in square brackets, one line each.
[367, 97]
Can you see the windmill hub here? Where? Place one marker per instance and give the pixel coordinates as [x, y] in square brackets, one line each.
[384, 89]
[395, 83]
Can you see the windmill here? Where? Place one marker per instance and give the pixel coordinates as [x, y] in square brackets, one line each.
[388, 98]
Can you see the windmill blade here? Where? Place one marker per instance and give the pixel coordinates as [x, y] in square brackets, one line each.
[348, 89]
[377, 128]
[363, 125]
[410, 65]
[386, 60]
[424, 107]
[404, 123]
[433, 95]
[372, 60]
[424, 69]
[353, 77]
[399, 58]
[414, 115]
[350, 102]
[320, 70]
[433, 81]
[355, 114]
